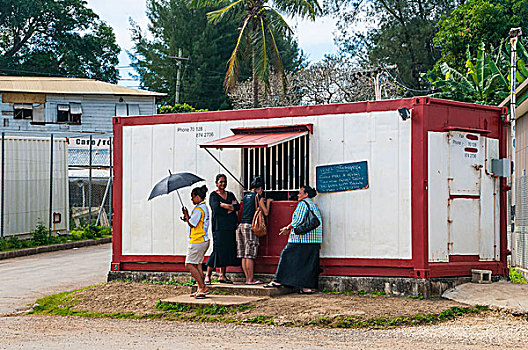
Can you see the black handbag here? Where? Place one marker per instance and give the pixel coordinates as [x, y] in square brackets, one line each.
[309, 223]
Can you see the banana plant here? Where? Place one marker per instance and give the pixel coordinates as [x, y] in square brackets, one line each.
[486, 80]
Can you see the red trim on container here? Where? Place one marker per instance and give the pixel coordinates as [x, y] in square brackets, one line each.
[464, 196]
[454, 269]
[276, 112]
[463, 258]
[117, 196]
[419, 203]
[471, 150]
[273, 129]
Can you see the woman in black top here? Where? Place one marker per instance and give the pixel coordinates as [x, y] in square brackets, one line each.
[224, 223]
[247, 241]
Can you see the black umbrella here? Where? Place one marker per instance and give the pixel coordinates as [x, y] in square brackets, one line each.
[173, 182]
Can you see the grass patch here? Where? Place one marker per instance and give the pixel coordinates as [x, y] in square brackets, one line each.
[351, 292]
[516, 276]
[63, 304]
[188, 283]
[387, 322]
[261, 319]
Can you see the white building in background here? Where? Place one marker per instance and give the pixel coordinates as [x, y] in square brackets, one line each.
[49, 104]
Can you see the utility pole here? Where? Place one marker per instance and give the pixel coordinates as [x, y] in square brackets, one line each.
[179, 58]
[514, 37]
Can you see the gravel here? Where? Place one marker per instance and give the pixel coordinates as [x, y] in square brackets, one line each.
[490, 331]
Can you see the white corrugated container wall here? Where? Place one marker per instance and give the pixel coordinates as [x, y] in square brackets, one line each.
[27, 183]
[369, 223]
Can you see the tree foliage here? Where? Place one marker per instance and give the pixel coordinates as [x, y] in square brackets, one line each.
[56, 37]
[334, 79]
[261, 22]
[486, 79]
[179, 108]
[394, 32]
[173, 26]
[475, 22]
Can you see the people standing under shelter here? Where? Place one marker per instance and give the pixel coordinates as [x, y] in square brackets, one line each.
[247, 241]
[224, 207]
[299, 260]
[198, 224]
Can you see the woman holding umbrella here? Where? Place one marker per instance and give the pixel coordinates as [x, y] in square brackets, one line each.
[198, 224]
[224, 223]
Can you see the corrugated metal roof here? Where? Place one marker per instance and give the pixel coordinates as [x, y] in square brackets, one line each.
[59, 85]
[253, 140]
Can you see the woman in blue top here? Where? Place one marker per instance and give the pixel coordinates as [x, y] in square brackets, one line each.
[299, 261]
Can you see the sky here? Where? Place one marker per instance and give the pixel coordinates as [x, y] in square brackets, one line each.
[315, 38]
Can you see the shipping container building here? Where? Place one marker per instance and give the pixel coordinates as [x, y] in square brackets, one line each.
[406, 187]
[25, 177]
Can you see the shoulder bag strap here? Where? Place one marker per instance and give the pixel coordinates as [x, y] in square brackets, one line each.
[308, 205]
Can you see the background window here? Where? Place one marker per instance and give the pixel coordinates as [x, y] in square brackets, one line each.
[133, 109]
[75, 113]
[63, 113]
[23, 111]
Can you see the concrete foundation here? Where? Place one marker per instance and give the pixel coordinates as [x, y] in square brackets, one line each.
[395, 286]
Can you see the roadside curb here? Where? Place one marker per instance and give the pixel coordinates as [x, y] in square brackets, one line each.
[53, 247]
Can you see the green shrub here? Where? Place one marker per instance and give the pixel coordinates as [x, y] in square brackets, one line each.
[77, 234]
[179, 108]
[14, 243]
[516, 276]
[40, 235]
[106, 231]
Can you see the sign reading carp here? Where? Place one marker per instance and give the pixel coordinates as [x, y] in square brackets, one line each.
[342, 177]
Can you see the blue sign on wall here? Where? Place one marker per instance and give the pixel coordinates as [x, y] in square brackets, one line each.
[342, 177]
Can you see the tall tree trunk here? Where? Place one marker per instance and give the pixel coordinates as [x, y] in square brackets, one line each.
[255, 79]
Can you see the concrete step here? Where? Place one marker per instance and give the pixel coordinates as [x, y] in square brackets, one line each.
[247, 290]
[211, 299]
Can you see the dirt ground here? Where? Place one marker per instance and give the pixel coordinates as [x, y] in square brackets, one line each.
[488, 331]
[140, 298]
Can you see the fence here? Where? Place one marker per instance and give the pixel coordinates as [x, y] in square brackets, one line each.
[519, 242]
[61, 180]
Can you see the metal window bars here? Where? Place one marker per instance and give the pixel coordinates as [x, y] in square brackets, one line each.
[283, 167]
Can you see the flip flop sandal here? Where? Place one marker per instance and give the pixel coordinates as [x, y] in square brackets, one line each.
[200, 296]
[207, 283]
[305, 292]
[192, 295]
[254, 283]
[273, 285]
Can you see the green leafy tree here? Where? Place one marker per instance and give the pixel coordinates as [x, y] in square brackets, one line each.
[50, 37]
[179, 108]
[486, 79]
[174, 26]
[260, 23]
[475, 22]
[397, 32]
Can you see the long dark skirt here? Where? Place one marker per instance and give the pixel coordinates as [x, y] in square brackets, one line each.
[224, 250]
[299, 265]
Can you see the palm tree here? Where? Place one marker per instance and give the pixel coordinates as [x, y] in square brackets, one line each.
[261, 20]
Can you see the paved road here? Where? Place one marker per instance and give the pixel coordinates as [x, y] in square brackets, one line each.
[502, 295]
[25, 279]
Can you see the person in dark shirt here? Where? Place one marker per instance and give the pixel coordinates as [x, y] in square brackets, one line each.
[224, 224]
[247, 241]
